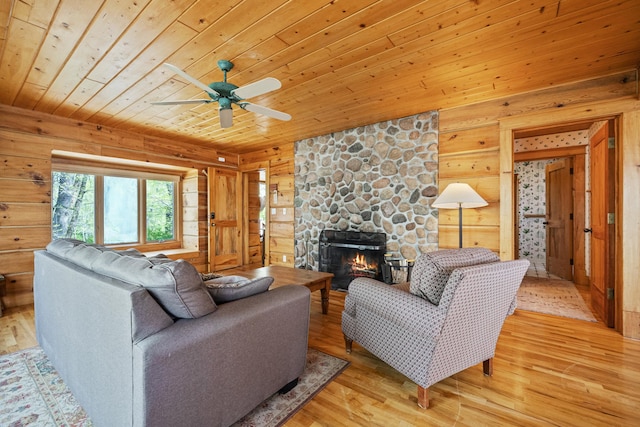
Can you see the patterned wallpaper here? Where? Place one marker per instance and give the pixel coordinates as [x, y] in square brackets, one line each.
[546, 142]
[532, 194]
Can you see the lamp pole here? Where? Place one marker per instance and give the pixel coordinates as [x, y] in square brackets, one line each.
[459, 195]
[460, 224]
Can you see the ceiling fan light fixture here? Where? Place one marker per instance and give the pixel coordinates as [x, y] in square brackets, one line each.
[226, 117]
[226, 94]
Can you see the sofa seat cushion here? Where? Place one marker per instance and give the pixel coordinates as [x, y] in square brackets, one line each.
[175, 285]
[431, 270]
[231, 288]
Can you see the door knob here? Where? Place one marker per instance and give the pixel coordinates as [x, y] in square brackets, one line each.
[587, 230]
[545, 222]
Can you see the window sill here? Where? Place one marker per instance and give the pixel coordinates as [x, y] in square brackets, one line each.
[181, 253]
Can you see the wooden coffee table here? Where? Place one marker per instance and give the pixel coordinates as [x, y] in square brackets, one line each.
[314, 280]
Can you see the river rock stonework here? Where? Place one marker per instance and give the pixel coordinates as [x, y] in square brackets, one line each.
[375, 178]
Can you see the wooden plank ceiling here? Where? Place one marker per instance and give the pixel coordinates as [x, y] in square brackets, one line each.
[342, 63]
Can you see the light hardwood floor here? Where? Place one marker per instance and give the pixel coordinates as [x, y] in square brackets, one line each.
[547, 371]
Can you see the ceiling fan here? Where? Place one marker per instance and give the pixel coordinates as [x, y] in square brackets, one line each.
[226, 94]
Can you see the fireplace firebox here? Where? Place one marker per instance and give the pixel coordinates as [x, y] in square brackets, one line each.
[351, 254]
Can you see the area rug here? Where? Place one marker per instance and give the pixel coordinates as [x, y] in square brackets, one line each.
[32, 394]
[549, 296]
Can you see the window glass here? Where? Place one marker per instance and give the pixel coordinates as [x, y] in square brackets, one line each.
[73, 206]
[160, 210]
[120, 210]
[114, 207]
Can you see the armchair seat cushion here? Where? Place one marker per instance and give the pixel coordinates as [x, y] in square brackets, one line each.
[431, 271]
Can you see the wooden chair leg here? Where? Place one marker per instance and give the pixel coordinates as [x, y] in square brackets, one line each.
[487, 367]
[423, 397]
[348, 342]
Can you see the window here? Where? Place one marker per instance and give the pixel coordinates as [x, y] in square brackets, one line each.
[113, 207]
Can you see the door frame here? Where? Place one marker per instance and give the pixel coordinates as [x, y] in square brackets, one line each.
[253, 167]
[568, 114]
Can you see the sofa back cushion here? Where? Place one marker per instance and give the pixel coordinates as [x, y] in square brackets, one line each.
[431, 270]
[175, 285]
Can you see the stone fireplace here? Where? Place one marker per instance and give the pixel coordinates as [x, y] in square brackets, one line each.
[379, 178]
[351, 254]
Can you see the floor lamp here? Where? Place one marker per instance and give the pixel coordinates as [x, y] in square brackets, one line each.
[459, 195]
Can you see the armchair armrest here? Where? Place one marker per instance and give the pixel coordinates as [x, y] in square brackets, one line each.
[404, 309]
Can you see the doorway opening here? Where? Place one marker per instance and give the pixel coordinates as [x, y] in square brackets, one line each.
[255, 217]
[554, 209]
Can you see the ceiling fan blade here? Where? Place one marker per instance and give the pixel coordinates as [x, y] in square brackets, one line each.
[193, 80]
[186, 101]
[266, 111]
[257, 88]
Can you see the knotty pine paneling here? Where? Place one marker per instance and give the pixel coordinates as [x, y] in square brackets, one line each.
[281, 226]
[472, 236]
[27, 140]
[22, 191]
[277, 153]
[469, 140]
[469, 165]
[16, 261]
[20, 214]
[614, 86]
[28, 237]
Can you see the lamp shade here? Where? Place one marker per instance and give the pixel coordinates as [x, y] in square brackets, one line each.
[459, 195]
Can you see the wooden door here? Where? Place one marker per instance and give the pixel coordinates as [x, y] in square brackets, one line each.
[225, 219]
[601, 282]
[559, 219]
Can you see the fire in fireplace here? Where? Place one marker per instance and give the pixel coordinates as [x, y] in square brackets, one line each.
[351, 254]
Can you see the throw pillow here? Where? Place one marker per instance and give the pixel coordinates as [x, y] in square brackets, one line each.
[231, 288]
[209, 276]
[176, 285]
[431, 270]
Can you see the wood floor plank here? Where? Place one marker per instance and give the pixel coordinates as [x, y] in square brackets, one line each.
[548, 371]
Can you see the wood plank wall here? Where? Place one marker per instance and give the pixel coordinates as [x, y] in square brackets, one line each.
[469, 150]
[472, 150]
[27, 139]
[279, 162]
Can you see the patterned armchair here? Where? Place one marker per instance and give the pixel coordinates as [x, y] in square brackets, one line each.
[445, 320]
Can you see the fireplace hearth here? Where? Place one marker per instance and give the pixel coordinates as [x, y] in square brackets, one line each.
[351, 254]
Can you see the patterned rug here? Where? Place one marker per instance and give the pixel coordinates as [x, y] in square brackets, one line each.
[557, 297]
[32, 394]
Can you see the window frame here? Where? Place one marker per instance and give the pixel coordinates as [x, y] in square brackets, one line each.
[101, 169]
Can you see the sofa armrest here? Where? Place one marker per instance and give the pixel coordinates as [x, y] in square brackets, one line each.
[220, 366]
[416, 314]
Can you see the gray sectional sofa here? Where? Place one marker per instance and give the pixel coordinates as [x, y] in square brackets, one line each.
[140, 342]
